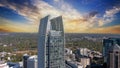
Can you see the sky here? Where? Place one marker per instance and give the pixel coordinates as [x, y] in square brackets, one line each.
[79, 16]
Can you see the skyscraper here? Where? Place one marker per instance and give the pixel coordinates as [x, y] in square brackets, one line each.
[114, 57]
[25, 58]
[107, 43]
[51, 43]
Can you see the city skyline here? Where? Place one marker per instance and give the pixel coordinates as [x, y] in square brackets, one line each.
[79, 16]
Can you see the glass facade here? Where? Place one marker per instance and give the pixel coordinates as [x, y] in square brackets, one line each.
[107, 43]
[56, 48]
[53, 47]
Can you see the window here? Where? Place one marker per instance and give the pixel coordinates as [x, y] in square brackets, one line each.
[116, 61]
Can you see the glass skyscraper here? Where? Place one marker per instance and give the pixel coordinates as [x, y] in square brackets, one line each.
[107, 43]
[51, 43]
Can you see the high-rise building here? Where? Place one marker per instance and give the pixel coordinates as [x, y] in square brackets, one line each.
[51, 43]
[114, 57]
[25, 57]
[32, 62]
[107, 43]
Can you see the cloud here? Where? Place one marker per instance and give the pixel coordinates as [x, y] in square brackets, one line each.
[93, 13]
[67, 10]
[25, 8]
[56, 0]
[42, 9]
[34, 11]
[4, 30]
[74, 20]
[109, 15]
[10, 27]
[84, 2]
[112, 12]
[93, 23]
[111, 30]
[94, 20]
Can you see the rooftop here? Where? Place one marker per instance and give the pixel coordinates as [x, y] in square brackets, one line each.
[115, 47]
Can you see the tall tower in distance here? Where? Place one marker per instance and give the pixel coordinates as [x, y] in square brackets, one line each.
[25, 58]
[114, 57]
[51, 43]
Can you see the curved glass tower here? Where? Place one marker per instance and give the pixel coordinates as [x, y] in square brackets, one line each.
[51, 43]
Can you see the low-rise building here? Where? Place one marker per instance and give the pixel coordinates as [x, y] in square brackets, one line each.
[13, 65]
[4, 65]
[82, 52]
[85, 61]
[71, 64]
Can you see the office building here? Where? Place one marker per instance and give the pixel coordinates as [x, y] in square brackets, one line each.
[32, 62]
[107, 43]
[25, 57]
[114, 57]
[51, 43]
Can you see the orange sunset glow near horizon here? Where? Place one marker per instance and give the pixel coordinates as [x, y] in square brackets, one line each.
[79, 16]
